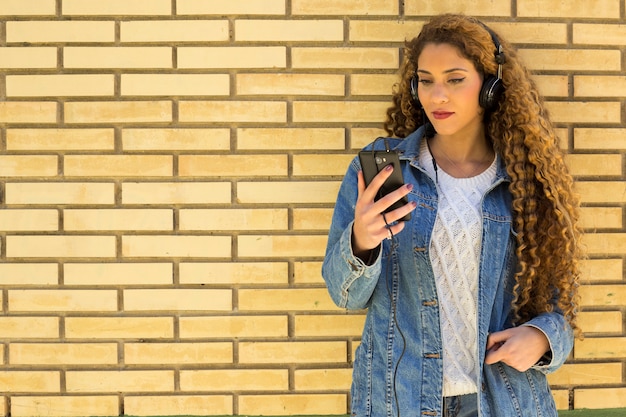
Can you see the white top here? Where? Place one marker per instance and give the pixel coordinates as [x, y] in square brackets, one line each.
[455, 256]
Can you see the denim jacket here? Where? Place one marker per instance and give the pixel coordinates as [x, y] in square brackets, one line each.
[398, 364]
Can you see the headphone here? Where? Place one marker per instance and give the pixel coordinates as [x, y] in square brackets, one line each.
[492, 88]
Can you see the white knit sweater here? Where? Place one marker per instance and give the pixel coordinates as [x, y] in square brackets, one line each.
[454, 254]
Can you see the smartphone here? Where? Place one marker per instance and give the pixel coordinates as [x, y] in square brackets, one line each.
[372, 162]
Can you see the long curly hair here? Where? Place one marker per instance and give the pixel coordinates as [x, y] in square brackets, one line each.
[545, 207]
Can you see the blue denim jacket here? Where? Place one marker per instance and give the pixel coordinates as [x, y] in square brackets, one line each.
[398, 365]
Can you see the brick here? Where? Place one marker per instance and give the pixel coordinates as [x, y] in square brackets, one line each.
[178, 353]
[372, 84]
[62, 406]
[599, 33]
[174, 31]
[292, 352]
[320, 165]
[603, 295]
[118, 219]
[600, 348]
[175, 84]
[28, 112]
[70, 354]
[118, 166]
[60, 139]
[119, 381]
[599, 138]
[291, 84]
[350, 7]
[288, 30]
[281, 246]
[312, 219]
[290, 138]
[175, 139]
[597, 270]
[278, 192]
[309, 299]
[544, 32]
[323, 379]
[28, 166]
[593, 218]
[354, 57]
[60, 246]
[231, 7]
[476, 8]
[234, 327]
[176, 193]
[117, 7]
[118, 273]
[587, 374]
[584, 112]
[119, 328]
[232, 165]
[178, 300]
[30, 8]
[571, 59]
[29, 274]
[32, 57]
[339, 111]
[51, 193]
[235, 380]
[28, 220]
[599, 86]
[248, 57]
[174, 405]
[561, 399]
[176, 246]
[383, 30]
[595, 165]
[552, 85]
[233, 219]
[234, 273]
[118, 112]
[308, 273]
[360, 137]
[117, 57]
[38, 31]
[601, 322]
[293, 404]
[328, 326]
[233, 111]
[62, 300]
[605, 192]
[605, 243]
[594, 398]
[30, 381]
[21, 328]
[601, 9]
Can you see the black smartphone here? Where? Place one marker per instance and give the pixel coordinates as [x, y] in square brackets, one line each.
[372, 162]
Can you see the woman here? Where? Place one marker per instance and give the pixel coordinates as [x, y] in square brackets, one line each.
[473, 300]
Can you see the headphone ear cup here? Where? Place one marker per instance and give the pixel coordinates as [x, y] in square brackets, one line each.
[490, 93]
[413, 86]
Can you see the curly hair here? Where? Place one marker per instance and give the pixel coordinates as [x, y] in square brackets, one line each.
[545, 207]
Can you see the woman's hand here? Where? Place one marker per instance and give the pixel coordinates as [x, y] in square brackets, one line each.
[519, 347]
[370, 228]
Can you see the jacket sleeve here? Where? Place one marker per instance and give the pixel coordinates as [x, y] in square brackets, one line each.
[349, 280]
[560, 336]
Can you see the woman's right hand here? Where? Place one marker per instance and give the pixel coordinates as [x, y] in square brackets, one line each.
[370, 227]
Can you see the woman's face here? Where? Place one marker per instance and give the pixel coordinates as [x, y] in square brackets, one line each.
[448, 90]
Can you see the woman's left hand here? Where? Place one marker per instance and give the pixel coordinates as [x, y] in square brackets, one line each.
[519, 347]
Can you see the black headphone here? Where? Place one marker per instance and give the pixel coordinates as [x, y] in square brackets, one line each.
[492, 87]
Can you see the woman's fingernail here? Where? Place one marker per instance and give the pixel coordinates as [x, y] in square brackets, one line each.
[389, 167]
[409, 186]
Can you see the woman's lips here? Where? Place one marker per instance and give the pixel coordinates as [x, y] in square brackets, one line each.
[440, 115]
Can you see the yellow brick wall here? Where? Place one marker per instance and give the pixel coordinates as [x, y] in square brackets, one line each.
[167, 175]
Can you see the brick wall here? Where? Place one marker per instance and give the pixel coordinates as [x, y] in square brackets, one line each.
[167, 175]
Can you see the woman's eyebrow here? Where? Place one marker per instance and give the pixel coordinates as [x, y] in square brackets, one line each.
[448, 71]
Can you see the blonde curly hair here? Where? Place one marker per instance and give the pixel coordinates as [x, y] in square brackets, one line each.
[546, 210]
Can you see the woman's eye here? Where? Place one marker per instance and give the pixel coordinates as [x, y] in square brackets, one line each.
[422, 81]
[457, 80]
